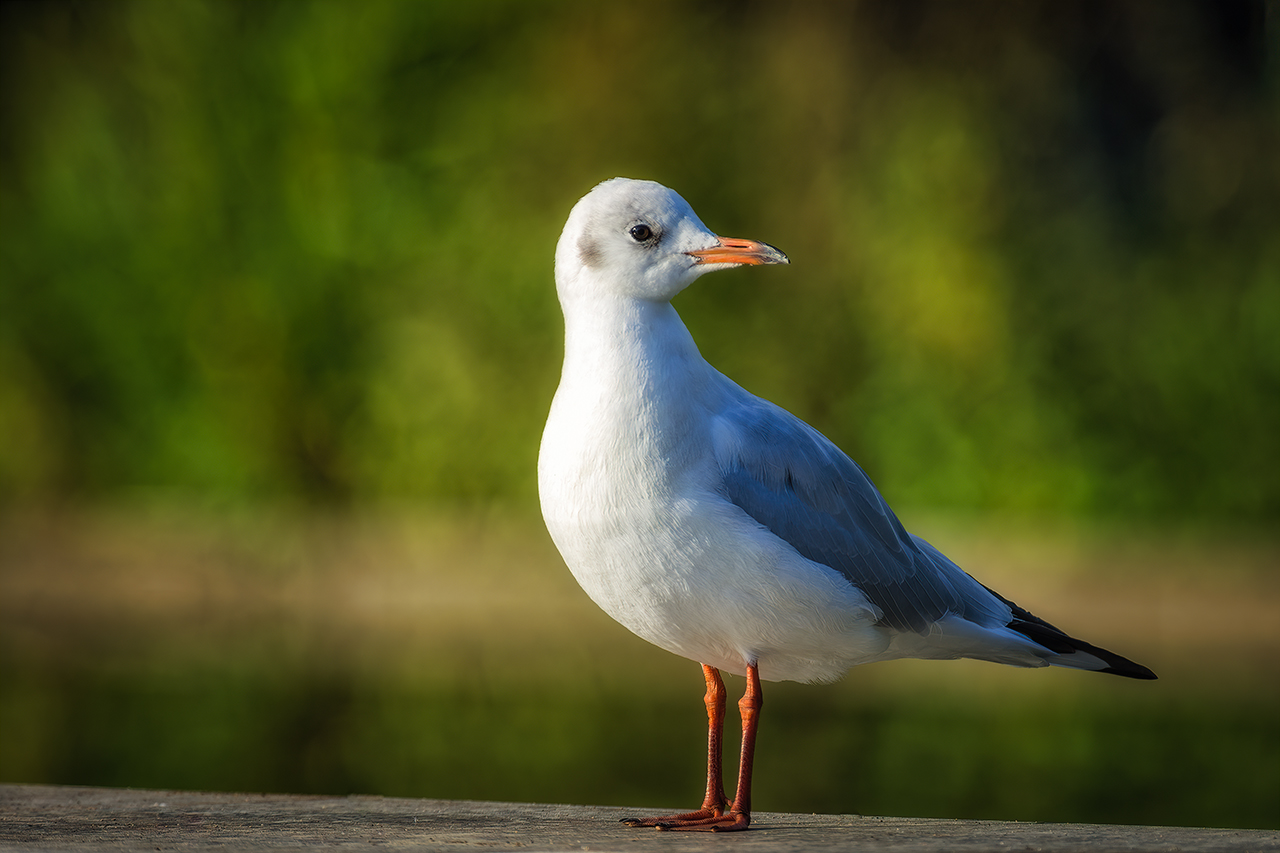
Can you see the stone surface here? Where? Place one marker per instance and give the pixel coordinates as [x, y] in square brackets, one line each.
[68, 818]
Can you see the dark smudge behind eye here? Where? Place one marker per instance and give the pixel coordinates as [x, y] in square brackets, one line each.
[589, 251]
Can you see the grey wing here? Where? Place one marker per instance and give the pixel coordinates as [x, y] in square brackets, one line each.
[794, 481]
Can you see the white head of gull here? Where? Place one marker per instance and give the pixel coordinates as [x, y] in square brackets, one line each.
[715, 524]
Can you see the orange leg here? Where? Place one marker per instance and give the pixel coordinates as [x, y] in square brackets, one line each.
[712, 817]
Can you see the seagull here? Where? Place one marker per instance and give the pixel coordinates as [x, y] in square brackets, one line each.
[717, 525]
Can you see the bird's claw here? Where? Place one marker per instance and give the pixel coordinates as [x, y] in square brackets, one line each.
[704, 820]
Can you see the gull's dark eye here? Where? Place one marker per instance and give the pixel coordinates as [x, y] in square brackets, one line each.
[641, 233]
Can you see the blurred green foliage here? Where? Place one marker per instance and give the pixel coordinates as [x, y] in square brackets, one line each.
[302, 250]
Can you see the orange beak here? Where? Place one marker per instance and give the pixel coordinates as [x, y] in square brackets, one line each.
[734, 251]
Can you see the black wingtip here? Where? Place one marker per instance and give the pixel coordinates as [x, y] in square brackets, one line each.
[1126, 667]
[1064, 644]
[1133, 671]
[1060, 642]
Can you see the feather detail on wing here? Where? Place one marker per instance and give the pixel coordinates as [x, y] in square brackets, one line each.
[793, 481]
[805, 490]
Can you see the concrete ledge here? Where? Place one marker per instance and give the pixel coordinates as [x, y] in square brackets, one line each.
[65, 818]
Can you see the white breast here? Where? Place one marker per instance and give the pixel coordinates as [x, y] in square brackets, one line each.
[629, 490]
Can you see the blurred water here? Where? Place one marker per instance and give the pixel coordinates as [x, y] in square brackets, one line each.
[455, 658]
[1098, 758]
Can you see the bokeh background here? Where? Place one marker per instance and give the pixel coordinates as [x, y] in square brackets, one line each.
[278, 334]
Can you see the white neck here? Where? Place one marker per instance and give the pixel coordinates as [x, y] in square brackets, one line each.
[625, 345]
